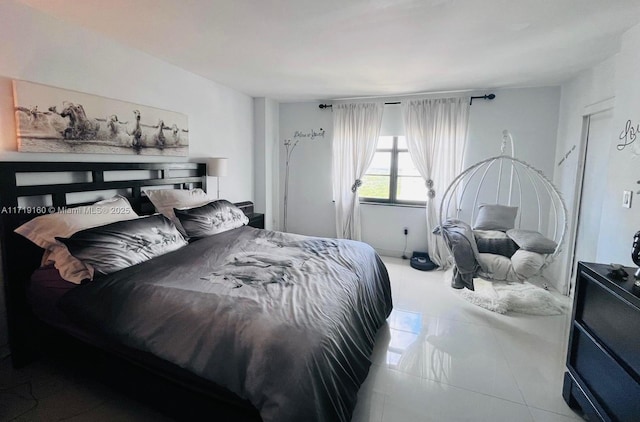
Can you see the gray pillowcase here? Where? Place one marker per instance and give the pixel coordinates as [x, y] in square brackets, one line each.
[495, 217]
[532, 241]
[119, 245]
[495, 242]
[209, 219]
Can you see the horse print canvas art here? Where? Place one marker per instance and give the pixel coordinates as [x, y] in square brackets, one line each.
[50, 119]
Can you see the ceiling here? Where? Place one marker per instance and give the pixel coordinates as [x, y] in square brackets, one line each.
[295, 50]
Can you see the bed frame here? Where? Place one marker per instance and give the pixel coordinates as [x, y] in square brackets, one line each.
[20, 257]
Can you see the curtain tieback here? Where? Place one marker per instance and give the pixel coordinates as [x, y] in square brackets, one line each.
[356, 185]
[431, 193]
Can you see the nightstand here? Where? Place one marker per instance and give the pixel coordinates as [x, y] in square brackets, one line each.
[256, 220]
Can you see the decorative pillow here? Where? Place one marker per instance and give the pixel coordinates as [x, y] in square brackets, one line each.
[495, 217]
[526, 264]
[69, 267]
[498, 267]
[495, 242]
[165, 200]
[209, 219]
[533, 241]
[120, 245]
[44, 229]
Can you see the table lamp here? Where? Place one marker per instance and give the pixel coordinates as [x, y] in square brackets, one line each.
[217, 167]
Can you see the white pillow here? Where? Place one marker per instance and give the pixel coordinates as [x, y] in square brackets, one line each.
[526, 264]
[498, 267]
[165, 200]
[44, 229]
[69, 267]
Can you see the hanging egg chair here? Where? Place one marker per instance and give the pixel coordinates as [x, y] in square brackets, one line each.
[501, 219]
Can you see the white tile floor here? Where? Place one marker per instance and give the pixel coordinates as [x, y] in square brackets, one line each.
[442, 359]
[438, 358]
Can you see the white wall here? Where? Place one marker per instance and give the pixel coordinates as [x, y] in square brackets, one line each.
[617, 79]
[618, 224]
[266, 160]
[531, 114]
[383, 225]
[591, 87]
[310, 210]
[38, 48]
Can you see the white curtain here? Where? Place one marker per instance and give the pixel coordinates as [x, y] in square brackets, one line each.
[356, 128]
[436, 132]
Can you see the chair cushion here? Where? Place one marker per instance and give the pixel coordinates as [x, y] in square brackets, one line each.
[495, 217]
[532, 241]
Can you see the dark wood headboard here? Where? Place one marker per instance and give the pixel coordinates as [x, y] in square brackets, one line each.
[20, 257]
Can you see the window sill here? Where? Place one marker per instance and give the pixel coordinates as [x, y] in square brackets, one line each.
[389, 204]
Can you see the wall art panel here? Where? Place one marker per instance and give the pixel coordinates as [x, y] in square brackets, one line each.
[50, 119]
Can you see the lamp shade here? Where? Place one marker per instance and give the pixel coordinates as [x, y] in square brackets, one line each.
[217, 167]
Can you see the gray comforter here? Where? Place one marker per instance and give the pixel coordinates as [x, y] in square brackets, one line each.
[287, 322]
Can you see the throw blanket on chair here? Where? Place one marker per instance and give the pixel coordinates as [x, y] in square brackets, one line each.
[461, 242]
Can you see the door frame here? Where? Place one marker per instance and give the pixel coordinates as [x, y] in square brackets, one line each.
[589, 110]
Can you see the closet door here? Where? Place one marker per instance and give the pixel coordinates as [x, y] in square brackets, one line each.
[594, 183]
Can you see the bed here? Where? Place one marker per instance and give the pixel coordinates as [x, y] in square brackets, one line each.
[276, 322]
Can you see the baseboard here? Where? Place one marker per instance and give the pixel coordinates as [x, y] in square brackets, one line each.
[390, 253]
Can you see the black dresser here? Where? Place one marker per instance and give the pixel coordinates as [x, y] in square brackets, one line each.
[603, 359]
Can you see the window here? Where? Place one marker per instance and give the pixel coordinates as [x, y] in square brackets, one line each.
[392, 177]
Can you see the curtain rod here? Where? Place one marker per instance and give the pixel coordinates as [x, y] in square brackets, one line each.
[479, 97]
[331, 105]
